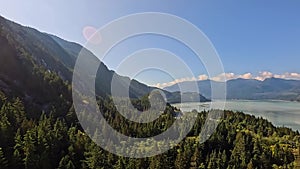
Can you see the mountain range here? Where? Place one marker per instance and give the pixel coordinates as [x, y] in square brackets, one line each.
[38, 67]
[270, 88]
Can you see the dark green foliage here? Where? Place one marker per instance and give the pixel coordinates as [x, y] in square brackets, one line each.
[49, 142]
[3, 160]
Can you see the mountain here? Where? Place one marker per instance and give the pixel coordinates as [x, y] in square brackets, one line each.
[137, 90]
[271, 88]
[36, 69]
[31, 60]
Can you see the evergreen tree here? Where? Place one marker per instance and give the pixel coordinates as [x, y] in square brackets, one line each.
[18, 151]
[66, 163]
[3, 160]
[31, 158]
[94, 157]
[238, 155]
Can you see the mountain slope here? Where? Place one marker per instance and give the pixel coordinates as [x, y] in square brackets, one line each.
[29, 58]
[23, 76]
[104, 77]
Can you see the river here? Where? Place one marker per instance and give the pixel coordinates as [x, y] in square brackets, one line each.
[280, 113]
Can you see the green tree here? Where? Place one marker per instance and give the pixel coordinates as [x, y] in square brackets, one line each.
[3, 160]
[66, 163]
[18, 151]
[94, 156]
[238, 156]
[31, 158]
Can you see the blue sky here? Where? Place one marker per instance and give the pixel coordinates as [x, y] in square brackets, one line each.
[250, 36]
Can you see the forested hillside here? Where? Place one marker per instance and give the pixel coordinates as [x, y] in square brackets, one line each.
[241, 141]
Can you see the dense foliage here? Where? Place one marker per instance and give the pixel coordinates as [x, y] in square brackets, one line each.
[241, 141]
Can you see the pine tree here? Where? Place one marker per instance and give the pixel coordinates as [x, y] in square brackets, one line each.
[120, 163]
[31, 159]
[66, 163]
[6, 134]
[238, 156]
[179, 162]
[18, 151]
[223, 161]
[196, 159]
[3, 160]
[213, 163]
[94, 157]
[156, 162]
[19, 111]
[250, 165]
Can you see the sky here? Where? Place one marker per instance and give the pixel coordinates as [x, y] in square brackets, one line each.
[254, 39]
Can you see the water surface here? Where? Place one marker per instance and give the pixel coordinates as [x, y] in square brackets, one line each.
[280, 113]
